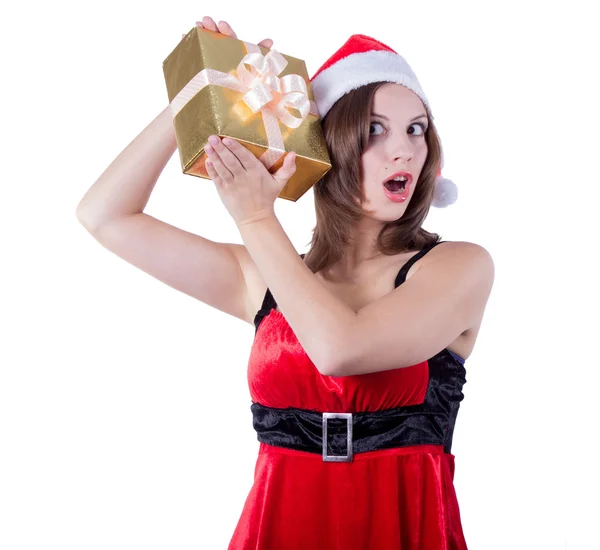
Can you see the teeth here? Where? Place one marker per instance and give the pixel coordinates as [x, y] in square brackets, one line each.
[400, 178]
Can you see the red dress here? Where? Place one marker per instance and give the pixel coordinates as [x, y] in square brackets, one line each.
[399, 498]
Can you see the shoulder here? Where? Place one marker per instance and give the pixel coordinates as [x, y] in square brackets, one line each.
[460, 247]
[463, 271]
[470, 256]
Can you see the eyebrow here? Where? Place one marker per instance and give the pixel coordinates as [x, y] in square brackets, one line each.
[386, 118]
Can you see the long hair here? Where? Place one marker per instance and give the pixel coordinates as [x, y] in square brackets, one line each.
[338, 195]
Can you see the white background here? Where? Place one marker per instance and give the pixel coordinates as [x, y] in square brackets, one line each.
[124, 409]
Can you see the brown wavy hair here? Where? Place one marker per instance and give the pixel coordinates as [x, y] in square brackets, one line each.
[338, 195]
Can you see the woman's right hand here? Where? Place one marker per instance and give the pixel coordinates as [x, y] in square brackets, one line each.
[224, 28]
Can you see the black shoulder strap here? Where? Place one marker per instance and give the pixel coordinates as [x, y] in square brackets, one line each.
[401, 277]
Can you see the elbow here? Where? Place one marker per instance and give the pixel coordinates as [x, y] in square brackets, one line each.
[329, 370]
[84, 220]
[336, 369]
[80, 213]
[92, 222]
[340, 357]
[334, 365]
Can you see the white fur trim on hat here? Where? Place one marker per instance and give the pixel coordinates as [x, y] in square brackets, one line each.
[359, 69]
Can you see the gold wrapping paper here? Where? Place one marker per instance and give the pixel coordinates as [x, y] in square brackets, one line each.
[215, 109]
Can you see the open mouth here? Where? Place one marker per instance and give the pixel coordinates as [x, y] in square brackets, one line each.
[396, 185]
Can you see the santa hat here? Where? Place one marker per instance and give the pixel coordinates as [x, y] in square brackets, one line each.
[363, 60]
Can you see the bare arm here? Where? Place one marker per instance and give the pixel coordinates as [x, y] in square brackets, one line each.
[124, 188]
[112, 210]
[126, 185]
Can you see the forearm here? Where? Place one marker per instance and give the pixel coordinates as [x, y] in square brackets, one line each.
[126, 185]
[319, 319]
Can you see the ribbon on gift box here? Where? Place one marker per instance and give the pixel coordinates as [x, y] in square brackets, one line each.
[263, 91]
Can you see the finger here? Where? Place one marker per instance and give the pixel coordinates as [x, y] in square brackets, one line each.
[209, 23]
[212, 173]
[290, 159]
[199, 24]
[288, 168]
[266, 43]
[230, 159]
[220, 168]
[246, 158]
[225, 28]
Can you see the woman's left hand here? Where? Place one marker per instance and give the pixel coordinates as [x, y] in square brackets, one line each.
[245, 186]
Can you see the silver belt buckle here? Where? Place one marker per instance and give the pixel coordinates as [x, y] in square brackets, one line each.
[335, 458]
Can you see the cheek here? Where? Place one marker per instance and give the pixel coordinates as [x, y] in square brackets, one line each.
[368, 162]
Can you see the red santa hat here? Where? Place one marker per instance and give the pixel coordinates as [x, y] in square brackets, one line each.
[363, 60]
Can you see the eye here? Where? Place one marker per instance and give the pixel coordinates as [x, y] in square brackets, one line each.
[423, 128]
[373, 124]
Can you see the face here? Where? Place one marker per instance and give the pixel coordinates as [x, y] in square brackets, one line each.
[396, 144]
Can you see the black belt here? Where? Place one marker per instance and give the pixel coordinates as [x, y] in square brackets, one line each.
[350, 433]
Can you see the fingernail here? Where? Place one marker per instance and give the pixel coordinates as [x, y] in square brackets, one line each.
[213, 140]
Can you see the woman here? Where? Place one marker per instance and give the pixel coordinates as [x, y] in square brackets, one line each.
[356, 380]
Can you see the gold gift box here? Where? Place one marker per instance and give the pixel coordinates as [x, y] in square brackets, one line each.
[219, 110]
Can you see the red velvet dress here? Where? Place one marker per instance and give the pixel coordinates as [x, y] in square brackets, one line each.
[399, 498]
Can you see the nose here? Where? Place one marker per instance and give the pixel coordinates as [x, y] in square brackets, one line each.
[401, 150]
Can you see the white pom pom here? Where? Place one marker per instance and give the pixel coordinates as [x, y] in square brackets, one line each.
[445, 193]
